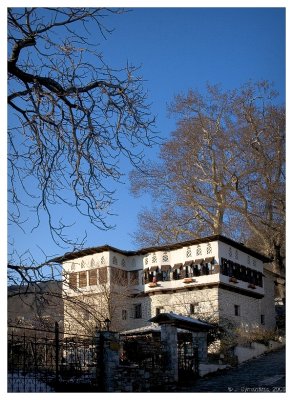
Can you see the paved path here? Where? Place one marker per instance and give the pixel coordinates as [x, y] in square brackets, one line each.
[263, 374]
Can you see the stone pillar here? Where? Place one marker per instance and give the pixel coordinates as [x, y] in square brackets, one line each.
[110, 348]
[199, 339]
[169, 338]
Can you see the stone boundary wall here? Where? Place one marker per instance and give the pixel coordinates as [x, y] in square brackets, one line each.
[255, 349]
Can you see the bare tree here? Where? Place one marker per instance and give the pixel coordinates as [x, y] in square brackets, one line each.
[71, 118]
[259, 195]
[221, 172]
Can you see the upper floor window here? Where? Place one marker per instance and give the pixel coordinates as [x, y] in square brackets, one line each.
[165, 257]
[236, 310]
[154, 258]
[165, 272]
[159, 310]
[209, 248]
[119, 276]
[188, 252]
[177, 271]
[198, 250]
[73, 280]
[134, 277]
[92, 277]
[137, 311]
[230, 251]
[103, 275]
[83, 279]
[192, 308]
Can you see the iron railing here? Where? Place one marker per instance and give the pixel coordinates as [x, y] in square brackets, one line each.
[45, 361]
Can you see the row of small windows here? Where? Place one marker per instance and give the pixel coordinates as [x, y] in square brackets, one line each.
[166, 273]
[165, 256]
[236, 256]
[246, 274]
[100, 276]
[96, 263]
[137, 311]
[179, 271]
[237, 313]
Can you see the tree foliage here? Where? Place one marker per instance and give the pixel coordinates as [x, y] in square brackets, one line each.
[221, 172]
[71, 117]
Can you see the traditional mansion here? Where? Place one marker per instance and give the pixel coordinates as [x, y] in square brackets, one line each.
[213, 279]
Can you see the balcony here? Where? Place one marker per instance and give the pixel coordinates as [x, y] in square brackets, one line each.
[170, 282]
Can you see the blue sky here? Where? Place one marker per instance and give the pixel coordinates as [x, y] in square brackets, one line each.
[178, 49]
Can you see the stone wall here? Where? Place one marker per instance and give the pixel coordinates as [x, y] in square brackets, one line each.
[249, 310]
[255, 349]
[203, 303]
[268, 302]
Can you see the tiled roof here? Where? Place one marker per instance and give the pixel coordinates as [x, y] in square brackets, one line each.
[168, 247]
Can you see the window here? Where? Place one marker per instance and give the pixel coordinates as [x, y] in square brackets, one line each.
[262, 319]
[230, 268]
[197, 267]
[224, 266]
[177, 274]
[188, 252]
[92, 277]
[124, 315]
[82, 279]
[198, 250]
[236, 310]
[119, 276]
[73, 280]
[165, 272]
[259, 279]
[159, 310]
[165, 257]
[205, 269]
[134, 277]
[103, 275]
[187, 269]
[177, 270]
[192, 308]
[137, 311]
[209, 248]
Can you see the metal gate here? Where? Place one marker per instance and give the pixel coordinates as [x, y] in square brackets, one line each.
[187, 361]
[145, 353]
[43, 361]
